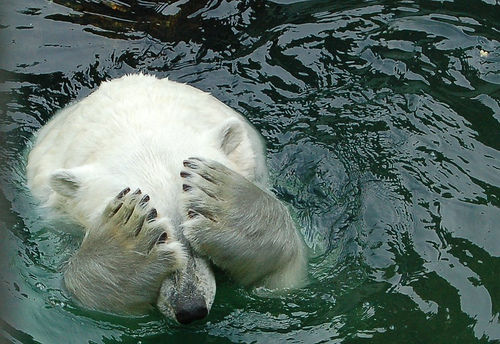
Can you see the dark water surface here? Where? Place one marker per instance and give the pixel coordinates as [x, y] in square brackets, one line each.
[382, 120]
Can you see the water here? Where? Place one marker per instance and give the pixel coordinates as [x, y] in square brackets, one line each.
[382, 122]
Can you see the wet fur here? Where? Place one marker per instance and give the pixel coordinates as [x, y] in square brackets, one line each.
[203, 168]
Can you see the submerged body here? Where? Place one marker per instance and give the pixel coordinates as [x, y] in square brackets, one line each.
[202, 167]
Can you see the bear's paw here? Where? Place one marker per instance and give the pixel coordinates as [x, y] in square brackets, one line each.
[124, 257]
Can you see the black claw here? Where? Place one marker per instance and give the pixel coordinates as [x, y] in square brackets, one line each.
[152, 214]
[137, 192]
[162, 238]
[144, 200]
[190, 164]
[123, 193]
[186, 187]
[185, 174]
[192, 214]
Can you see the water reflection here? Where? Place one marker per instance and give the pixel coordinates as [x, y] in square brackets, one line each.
[382, 123]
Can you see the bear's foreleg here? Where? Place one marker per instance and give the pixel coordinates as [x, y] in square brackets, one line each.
[243, 229]
[124, 257]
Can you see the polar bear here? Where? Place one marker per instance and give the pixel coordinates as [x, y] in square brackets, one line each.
[167, 182]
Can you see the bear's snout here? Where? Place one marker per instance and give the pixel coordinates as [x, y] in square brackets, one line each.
[194, 310]
[188, 294]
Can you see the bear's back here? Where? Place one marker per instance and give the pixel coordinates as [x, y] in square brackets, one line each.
[140, 124]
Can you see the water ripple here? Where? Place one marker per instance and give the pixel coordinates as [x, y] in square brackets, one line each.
[382, 122]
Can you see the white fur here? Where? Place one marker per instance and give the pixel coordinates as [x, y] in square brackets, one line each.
[136, 132]
[112, 139]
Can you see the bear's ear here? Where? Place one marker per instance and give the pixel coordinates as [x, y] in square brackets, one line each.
[230, 134]
[65, 182]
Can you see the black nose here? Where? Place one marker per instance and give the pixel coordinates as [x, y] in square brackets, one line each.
[188, 315]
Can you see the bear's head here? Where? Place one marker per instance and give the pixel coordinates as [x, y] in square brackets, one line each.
[184, 292]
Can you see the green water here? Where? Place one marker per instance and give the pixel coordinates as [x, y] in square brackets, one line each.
[382, 122]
